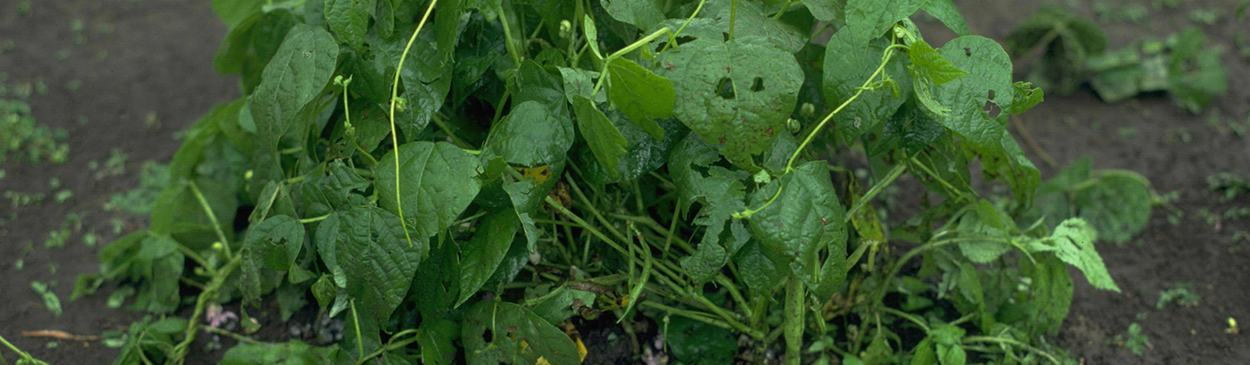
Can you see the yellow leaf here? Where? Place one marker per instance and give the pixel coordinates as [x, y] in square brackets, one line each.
[542, 361]
[539, 174]
[581, 348]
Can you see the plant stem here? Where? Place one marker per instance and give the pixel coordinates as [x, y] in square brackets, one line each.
[794, 313]
[1007, 341]
[507, 34]
[313, 219]
[210, 292]
[235, 336]
[672, 39]
[876, 189]
[360, 342]
[885, 60]
[197, 258]
[904, 315]
[24, 356]
[212, 218]
[399, 204]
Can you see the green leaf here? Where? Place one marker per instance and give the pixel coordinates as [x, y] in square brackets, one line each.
[524, 204]
[517, 336]
[483, 253]
[643, 152]
[761, 269]
[932, 65]
[289, 353]
[923, 353]
[1073, 242]
[439, 181]
[274, 244]
[349, 19]
[337, 187]
[989, 70]
[737, 95]
[946, 12]
[436, 342]
[827, 10]
[592, 35]
[695, 342]
[984, 236]
[561, 304]
[384, 18]
[1050, 292]
[752, 21]
[234, 12]
[294, 77]
[1006, 161]
[531, 135]
[1116, 202]
[854, 63]
[641, 94]
[721, 193]
[154, 262]
[951, 354]
[804, 221]
[1026, 98]
[50, 300]
[379, 264]
[603, 138]
[1119, 204]
[869, 19]
[641, 13]
[580, 82]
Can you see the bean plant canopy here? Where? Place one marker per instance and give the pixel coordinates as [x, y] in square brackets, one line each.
[470, 181]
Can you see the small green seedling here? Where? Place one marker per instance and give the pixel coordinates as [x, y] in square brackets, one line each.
[1232, 327]
[1134, 340]
[1179, 294]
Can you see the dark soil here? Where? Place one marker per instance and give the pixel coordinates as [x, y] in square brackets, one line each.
[158, 60]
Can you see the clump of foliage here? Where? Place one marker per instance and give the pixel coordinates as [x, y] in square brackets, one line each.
[1228, 183]
[1074, 51]
[456, 179]
[1179, 294]
[22, 139]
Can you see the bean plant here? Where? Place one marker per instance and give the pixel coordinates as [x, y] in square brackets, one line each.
[471, 181]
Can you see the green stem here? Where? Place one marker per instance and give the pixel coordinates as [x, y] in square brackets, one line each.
[197, 258]
[212, 218]
[391, 345]
[821, 126]
[313, 219]
[25, 356]
[1007, 341]
[794, 320]
[399, 204]
[447, 129]
[235, 336]
[689, 314]
[209, 293]
[905, 315]
[784, 8]
[733, 17]
[360, 342]
[372, 160]
[507, 34]
[876, 189]
[889, 53]
[672, 39]
[935, 176]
